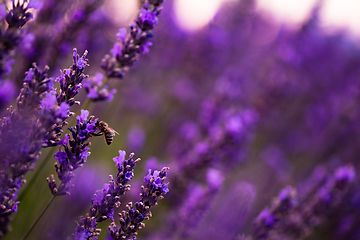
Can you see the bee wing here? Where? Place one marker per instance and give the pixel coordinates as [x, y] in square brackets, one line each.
[113, 131]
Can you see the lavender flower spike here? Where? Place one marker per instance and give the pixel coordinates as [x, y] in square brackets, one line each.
[92, 86]
[268, 218]
[12, 37]
[290, 219]
[131, 220]
[22, 132]
[70, 82]
[128, 46]
[71, 79]
[107, 199]
[74, 153]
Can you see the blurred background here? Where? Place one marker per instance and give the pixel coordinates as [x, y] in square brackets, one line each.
[240, 98]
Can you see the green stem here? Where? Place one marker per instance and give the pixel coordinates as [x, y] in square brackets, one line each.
[39, 217]
[104, 82]
[85, 106]
[35, 177]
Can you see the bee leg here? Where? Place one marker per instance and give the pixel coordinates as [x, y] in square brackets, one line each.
[97, 134]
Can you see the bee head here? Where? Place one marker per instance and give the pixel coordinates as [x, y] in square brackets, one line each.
[102, 124]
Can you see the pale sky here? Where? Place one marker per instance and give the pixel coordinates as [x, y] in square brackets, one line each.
[194, 14]
[334, 13]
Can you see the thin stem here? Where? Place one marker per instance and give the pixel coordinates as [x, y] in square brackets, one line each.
[35, 177]
[38, 218]
[85, 105]
[104, 82]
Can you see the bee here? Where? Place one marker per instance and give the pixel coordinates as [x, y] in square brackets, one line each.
[105, 130]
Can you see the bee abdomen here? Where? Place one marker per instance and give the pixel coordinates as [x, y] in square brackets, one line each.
[109, 138]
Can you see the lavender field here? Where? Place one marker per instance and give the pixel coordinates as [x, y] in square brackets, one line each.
[245, 129]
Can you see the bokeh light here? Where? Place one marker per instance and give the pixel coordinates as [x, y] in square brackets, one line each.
[294, 11]
[192, 15]
[343, 14]
[121, 12]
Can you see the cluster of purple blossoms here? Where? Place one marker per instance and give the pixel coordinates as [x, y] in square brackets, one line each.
[42, 109]
[293, 217]
[129, 45]
[303, 108]
[92, 85]
[106, 200]
[23, 131]
[131, 219]
[75, 152]
[125, 51]
[70, 82]
[239, 110]
[12, 36]
[38, 120]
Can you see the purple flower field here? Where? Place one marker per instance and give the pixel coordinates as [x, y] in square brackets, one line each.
[245, 129]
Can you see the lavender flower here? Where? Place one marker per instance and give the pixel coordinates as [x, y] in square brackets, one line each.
[106, 200]
[12, 37]
[228, 131]
[293, 218]
[22, 133]
[200, 199]
[268, 218]
[74, 154]
[131, 219]
[70, 82]
[42, 111]
[71, 79]
[92, 86]
[126, 50]
[226, 97]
